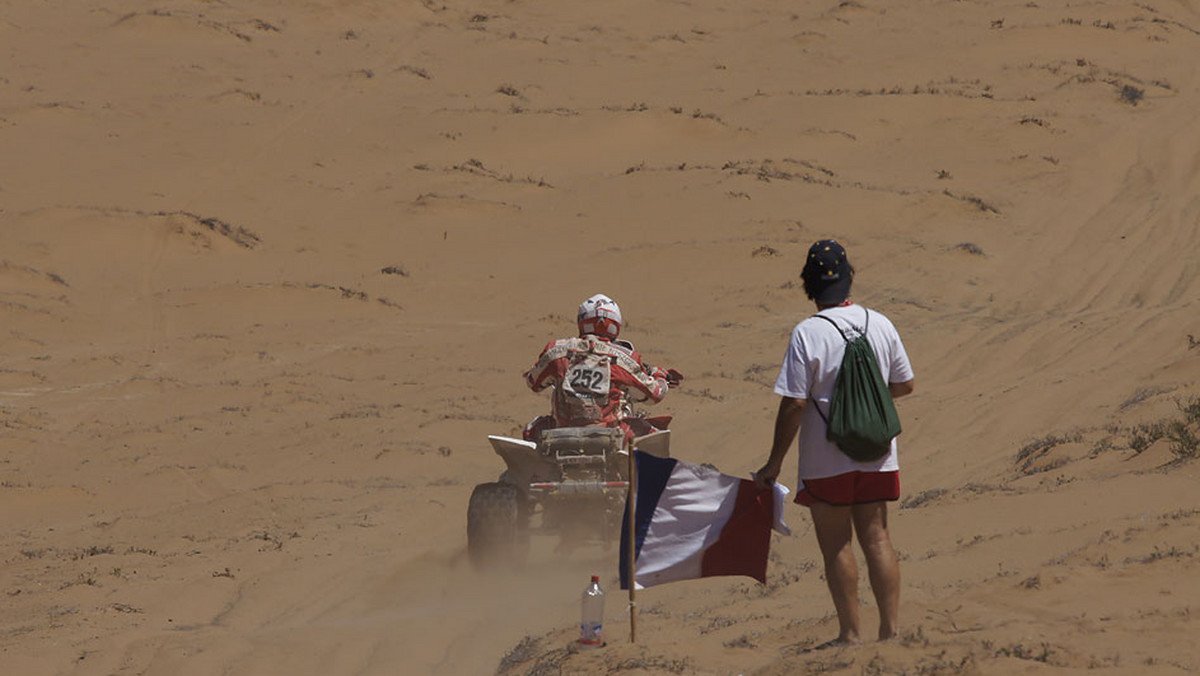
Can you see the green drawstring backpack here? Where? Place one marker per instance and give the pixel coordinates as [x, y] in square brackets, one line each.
[862, 417]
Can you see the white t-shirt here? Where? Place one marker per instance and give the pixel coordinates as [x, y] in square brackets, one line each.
[810, 369]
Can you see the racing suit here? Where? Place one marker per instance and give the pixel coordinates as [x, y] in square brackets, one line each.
[595, 383]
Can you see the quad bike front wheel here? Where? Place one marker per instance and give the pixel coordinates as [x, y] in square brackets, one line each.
[497, 526]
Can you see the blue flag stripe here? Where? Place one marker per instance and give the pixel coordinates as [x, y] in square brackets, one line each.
[652, 476]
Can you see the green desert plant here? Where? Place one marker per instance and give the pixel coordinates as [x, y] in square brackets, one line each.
[1143, 436]
[1185, 443]
[1182, 432]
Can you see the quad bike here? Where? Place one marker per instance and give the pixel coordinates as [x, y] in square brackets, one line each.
[571, 482]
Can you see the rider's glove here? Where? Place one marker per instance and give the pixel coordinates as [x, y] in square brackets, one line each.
[672, 376]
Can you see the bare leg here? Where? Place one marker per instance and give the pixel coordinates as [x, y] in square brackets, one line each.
[870, 521]
[835, 536]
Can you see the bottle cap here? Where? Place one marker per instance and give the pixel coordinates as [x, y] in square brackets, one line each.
[595, 578]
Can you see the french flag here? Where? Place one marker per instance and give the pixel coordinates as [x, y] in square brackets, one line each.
[692, 521]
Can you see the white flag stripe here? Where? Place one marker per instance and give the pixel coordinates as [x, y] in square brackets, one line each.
[695, 505]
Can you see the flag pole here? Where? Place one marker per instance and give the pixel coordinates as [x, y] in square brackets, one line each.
[631, 555]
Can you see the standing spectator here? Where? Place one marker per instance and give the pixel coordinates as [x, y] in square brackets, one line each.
[844, 496]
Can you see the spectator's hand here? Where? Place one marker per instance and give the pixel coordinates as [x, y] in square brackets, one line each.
[765, 477]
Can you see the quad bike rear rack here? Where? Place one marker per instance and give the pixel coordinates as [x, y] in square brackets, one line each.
[577, 487]
[574, 477]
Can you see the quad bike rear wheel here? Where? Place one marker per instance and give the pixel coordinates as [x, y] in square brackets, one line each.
[497, 526]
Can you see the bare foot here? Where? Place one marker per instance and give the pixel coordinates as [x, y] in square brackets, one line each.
[832, 643]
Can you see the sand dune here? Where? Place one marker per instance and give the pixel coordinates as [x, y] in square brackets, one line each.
[270, 273]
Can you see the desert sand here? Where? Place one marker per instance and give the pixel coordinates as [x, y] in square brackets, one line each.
[270, 273]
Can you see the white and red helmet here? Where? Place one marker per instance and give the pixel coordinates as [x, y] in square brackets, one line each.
[599, 315]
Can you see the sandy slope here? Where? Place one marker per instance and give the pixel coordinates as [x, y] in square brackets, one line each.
[270, 272]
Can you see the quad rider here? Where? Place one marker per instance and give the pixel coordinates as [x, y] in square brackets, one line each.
[597, 377]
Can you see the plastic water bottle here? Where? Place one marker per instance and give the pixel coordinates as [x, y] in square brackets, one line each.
[592, 624]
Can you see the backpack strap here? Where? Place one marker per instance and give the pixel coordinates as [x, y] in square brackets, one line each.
[866, 326]
[811, 398]
[835, 325]
[824, 418]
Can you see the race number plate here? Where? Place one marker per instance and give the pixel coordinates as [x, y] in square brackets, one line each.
[589, 377]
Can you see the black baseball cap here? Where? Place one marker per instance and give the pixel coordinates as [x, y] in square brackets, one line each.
[827, 273]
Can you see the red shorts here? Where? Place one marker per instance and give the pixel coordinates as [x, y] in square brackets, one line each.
[851, 488]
